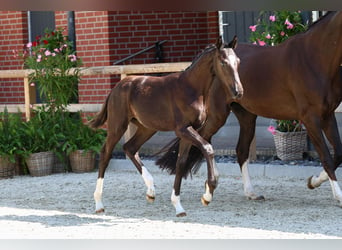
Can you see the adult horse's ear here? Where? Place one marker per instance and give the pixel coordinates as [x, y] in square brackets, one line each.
[219, 42]
[233, 43]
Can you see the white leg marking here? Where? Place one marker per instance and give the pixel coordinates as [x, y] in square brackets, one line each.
[207, 195]
[247, 185]
[148, 179]
[176, 203]
[98, 195]
[337, 193]
[316, 181]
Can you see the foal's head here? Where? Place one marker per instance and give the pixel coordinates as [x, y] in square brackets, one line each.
[226, 67]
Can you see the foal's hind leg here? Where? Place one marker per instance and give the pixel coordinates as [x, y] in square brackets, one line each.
[106, 153]
[131, 148]
[247, 123]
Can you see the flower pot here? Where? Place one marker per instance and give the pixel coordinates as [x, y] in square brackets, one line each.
[290, 145]
[6, 168]
[82, 161]
[40, 164]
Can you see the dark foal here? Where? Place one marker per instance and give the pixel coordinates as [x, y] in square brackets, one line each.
[176, 102]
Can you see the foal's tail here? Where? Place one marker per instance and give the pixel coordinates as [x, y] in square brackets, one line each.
[168, 160]
[101, 117]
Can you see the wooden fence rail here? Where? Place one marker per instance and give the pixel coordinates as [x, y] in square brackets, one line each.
[122, 70]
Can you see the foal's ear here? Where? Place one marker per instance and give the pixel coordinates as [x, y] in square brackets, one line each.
[219, 43]
[233, 43]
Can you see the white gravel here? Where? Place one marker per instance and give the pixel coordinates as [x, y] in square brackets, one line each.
[61, 206]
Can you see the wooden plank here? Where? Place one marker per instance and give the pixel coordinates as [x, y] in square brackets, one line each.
[27, 98]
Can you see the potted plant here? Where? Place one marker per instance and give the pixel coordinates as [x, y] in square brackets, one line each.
[40, 139]
[82, 145]
[271, 29]
[10, 143]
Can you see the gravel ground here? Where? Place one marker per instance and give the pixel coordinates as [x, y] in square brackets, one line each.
[61, 206]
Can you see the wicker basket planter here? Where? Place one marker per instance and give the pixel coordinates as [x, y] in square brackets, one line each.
[81, 161]
[6, 168]
[40, 164]
[290, 145]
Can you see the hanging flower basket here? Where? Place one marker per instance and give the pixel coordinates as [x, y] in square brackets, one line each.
[81, 161]
[6, 168]
[290, 145]
[40, 164]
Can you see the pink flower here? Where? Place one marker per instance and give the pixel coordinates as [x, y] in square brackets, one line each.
[272, 130]
[32, 84]
[272, 18]
[289, 25]
[47, 53]
[268, 36]
[29, 45]
[261, 43]
[282, 33]
[253, 28]
[56, 50]
[39, 58]
[73, 58]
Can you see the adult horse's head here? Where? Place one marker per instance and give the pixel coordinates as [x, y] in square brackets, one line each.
[226, 67]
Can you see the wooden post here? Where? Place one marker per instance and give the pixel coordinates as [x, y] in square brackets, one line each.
[27, 99]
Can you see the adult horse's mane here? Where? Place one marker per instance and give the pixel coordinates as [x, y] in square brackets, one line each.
[319, 20]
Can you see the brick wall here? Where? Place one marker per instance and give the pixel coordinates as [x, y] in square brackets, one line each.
[104, 37]
[13, 35]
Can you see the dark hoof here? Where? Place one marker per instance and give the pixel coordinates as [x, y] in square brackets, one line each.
[260, 198]
[100, 211]
[310, 186]
[150, 199]
[205, 202]
[181, 214]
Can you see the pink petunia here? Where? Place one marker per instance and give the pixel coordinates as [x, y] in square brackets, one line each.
[282, 33]
[39, 58]
[289, 25]
[272, 18]
[261, 43]
[29, 45]
[32, 84]
[271, 129]
[47, 53]
[253, 28]
[268, 36]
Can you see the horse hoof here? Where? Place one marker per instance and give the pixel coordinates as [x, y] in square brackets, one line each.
[182, 214]
[310, 186]
[257, 198]
[205, 202]
[100, 211]
[150, 199]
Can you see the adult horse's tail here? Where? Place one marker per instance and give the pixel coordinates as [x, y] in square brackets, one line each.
[101, 117]
[168, 160]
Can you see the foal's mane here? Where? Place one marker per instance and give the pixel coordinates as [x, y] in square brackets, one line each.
[207, 49]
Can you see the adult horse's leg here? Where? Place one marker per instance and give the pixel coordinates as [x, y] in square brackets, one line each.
[184, 148]
[330, 129]
[191, 135]
[106, 153]
[247, 123]
[314, 128]
[131, 148]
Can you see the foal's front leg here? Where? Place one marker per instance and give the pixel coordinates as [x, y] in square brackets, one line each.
[191, 135]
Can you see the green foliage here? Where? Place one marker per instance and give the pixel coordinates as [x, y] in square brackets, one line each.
[273, 28]
[82, 137]
[10, 140]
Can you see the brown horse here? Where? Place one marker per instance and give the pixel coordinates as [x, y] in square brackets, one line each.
[176, 102]
[298, 79]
